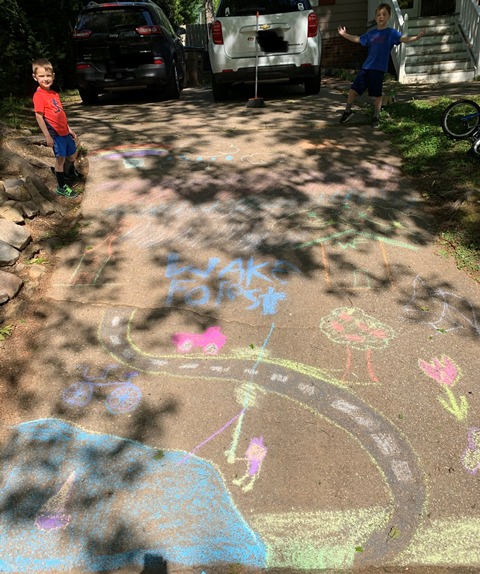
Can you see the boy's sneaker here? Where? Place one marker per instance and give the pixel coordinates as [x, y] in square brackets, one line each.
[346, 116]
[375, 123]
[66, 191]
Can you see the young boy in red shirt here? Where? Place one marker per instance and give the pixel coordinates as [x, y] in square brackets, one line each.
[52, 120]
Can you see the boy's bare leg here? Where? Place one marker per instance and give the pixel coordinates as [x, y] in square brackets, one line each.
[378, 106]
[59, 163]
[352, 94]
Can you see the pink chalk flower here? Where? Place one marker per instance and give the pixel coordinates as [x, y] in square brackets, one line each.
[443, 370]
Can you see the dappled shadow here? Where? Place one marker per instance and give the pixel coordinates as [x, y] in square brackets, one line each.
[201, 192]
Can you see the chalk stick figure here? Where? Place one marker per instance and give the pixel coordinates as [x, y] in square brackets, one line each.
[254, 455]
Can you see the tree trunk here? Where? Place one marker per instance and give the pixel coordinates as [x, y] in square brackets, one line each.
[209, 13]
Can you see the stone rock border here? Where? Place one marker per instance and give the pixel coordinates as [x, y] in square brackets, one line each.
[21, 199]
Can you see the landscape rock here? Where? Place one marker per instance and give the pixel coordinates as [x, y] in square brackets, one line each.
[25, 176]
[29, 209]
[9, 212]
[15, 235]
[10, 285]
[12, 182]
[8, 254]
[35, 184]
[18, 193]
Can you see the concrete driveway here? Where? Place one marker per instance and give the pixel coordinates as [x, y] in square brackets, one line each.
[254, 357]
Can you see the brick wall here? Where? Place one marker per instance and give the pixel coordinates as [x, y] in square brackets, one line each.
[340, 53]
[336, 51]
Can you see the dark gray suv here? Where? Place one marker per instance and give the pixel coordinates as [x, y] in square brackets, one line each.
[122, 45]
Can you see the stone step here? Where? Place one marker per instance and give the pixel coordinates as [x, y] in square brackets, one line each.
[435, 58]
[440, 77]
[436, 67]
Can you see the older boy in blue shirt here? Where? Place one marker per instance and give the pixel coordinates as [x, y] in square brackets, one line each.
[379, 42]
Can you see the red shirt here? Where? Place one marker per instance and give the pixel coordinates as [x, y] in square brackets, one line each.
[47, 103]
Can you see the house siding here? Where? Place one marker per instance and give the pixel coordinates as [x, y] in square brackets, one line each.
[336, 51]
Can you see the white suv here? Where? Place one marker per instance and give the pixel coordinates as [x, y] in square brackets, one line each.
[289, 44]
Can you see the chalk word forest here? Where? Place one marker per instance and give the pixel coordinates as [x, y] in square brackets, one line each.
[254, 282]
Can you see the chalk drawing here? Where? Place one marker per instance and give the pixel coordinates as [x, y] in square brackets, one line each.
[256, 450]
[132, 163]
[247, 395]
[446, 373]
[211, 341]
[216, 433]
[356, 330]
[326, 540]
[471, 456]
[254, 455]
[93, 262]
[354, 221]
[183, 513]
[124, 397]
[397, 463]
[264, 158]
[128, 152]
[443, 311]
[53, 515]
[347, 227]
[191, 226]
[245, 273]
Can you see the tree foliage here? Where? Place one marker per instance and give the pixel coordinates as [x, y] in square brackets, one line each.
[43, 28]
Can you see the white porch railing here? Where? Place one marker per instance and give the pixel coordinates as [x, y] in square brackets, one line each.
[469, 23]
[400, 23]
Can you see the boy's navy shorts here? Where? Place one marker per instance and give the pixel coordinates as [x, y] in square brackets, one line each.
[64, 146]
[369, 79]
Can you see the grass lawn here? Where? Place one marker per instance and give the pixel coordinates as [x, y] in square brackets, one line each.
[447, 175]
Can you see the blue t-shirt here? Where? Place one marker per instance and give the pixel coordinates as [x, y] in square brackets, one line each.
[379, 44]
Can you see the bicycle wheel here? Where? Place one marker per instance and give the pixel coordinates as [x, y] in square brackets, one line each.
[123, 399]
[78, 395]
[461, 119]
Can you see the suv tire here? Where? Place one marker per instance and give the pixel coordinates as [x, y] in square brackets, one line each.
[172, 89]
[312, 85]
[89, 96]
[219, 91]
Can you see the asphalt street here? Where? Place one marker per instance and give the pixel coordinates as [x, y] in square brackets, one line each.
[255, 358]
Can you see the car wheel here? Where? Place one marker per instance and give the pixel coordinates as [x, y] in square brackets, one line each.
[220, 91]
[312, 85]
[211, 349]
[89, 96]
[172, 90]
[186, 346]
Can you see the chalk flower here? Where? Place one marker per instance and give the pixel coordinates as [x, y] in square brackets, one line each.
[443, 370]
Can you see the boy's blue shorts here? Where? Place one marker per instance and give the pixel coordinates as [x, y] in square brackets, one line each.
[369, 79]
[64, 146]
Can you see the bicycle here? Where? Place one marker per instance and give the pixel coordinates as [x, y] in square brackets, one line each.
[461, 120]
[123, 399]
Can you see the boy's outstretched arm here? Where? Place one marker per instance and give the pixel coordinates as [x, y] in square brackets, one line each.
[343, 32]
[408, 39]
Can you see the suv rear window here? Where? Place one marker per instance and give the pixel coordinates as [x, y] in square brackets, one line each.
[103, 21]
[249, 7]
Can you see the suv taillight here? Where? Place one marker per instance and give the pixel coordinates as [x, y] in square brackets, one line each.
[312, 25]
[217, 34]
[81, 34]
[149, 30]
